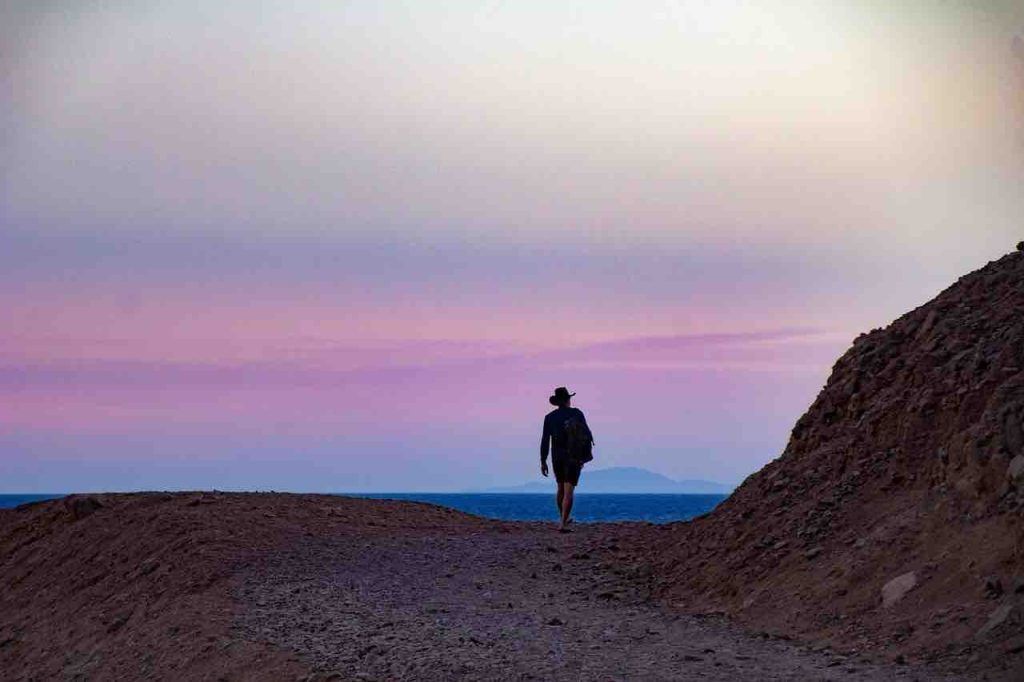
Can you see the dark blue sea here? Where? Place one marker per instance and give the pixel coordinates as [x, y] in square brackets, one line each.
[588, 508]
[7, 501]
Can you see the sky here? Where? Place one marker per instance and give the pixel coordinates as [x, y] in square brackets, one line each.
[353, 246]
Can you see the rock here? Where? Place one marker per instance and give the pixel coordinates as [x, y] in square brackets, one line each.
[1020, 245]
[1014, 645]
[1001, 615]
[993, 587]
[1015, 472]
[80, 507]
[897, 588]
[1013, 433]
[812, 553]
[118, 622]
[1018, 585]
[556, 621]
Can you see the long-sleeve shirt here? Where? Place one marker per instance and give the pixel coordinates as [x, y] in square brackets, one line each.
[554, 436]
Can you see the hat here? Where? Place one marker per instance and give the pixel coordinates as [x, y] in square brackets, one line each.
[561, 396]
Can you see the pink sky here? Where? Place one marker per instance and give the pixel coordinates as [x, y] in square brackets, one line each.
[354, 246]
[443, 405]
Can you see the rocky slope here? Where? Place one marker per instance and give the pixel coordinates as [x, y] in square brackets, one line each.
[893, 519]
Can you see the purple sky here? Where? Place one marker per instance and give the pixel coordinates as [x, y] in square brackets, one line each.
[353, 246]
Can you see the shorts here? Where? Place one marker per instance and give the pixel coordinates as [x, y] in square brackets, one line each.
[567, 470]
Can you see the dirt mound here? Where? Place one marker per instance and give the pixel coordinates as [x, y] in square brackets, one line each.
[140, 586]
[893, 519]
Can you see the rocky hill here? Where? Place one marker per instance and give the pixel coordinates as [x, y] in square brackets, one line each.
[893, 519]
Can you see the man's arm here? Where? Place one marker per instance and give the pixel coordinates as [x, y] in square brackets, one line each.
[545, 443]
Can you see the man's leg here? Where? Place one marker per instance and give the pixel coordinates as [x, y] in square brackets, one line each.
[566, 507]
[558, 497]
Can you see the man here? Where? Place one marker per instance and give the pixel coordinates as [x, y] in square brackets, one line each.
[558, 430]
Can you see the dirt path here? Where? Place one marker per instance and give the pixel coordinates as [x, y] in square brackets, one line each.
[513, 602]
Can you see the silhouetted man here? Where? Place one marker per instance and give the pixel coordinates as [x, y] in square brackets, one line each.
[561, 426]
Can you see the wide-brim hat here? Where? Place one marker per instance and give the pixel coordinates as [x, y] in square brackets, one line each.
[561, 395]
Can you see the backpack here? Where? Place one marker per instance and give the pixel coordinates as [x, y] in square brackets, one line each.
[579, 441]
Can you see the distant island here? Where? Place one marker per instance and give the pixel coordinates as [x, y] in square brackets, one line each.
[623, 480]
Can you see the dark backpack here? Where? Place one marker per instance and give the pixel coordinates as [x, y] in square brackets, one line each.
[579, 441]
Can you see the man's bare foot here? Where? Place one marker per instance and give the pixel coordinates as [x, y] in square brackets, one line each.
[564, 529]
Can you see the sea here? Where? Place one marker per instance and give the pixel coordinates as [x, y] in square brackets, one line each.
[8, 501]
[587, 508]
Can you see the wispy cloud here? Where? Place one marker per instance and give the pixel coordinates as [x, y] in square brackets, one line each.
[403, 384]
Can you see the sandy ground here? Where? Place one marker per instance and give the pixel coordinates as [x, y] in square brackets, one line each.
[215, 586]
[506, 601]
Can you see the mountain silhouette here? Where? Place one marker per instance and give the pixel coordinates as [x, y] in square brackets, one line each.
[624, 480]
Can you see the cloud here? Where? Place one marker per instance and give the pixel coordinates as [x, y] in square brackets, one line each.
[408, 386]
